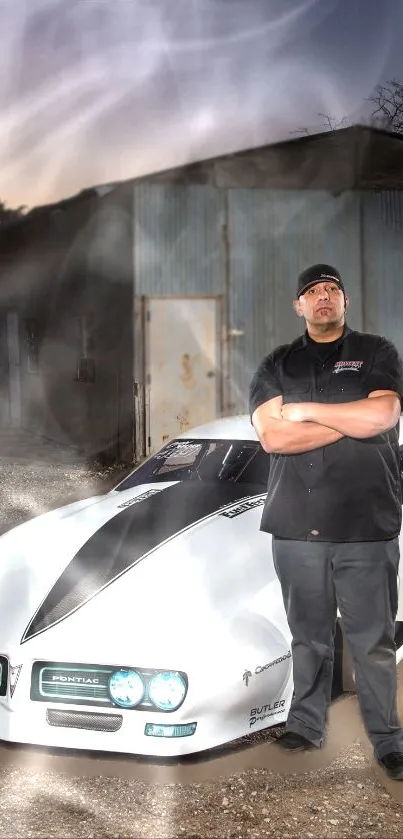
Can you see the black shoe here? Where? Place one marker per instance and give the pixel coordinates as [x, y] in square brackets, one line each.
[393, 764]
[292, 742]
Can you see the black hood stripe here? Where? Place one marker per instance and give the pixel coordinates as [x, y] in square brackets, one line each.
[126, 539]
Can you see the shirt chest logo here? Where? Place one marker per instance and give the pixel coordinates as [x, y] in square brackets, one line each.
[342, 366]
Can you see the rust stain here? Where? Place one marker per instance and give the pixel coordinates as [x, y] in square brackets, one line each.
[184, 423]
[187, 376]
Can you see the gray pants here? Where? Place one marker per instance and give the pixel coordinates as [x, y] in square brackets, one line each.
[361, 579]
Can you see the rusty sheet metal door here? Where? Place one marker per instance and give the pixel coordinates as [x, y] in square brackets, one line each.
[182, 359]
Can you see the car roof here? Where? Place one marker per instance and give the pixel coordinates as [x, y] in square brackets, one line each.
[227, 428]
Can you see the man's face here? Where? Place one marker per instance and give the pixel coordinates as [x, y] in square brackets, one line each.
[323, 304]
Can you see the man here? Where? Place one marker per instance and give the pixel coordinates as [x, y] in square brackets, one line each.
[326, 407]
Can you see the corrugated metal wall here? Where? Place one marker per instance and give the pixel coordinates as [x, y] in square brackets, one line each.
[274, 235]
[382, 214]
[180, 249]
[178, 240]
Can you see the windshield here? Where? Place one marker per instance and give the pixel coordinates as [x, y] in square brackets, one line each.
[237, 461]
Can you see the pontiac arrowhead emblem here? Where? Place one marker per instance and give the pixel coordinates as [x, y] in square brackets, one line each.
[14, 676]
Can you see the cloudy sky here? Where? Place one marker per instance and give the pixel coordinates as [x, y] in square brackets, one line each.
[95, 91]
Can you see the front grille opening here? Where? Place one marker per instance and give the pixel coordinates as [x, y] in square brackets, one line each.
[91, 721]
[76, 684]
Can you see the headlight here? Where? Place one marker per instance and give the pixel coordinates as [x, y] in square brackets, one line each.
[167, 691]
[126, 688]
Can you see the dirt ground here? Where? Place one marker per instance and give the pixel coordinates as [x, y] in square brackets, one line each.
[248, 789]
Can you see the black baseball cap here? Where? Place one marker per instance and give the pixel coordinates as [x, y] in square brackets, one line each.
[318, 274]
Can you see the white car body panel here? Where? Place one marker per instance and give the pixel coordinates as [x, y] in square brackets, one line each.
[205, 601]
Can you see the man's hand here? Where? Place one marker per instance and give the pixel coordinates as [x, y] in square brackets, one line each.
[295, 411]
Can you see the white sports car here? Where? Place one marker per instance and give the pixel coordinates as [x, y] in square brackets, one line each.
[150, 620]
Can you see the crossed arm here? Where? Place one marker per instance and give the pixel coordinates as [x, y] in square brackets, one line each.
[305, 426]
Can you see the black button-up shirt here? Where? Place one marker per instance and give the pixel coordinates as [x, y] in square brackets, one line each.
[350, 490]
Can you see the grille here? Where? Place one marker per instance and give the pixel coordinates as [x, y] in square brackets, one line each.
[84, 719]
[76, 685]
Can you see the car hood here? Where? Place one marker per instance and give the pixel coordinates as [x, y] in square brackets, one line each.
[126, 564]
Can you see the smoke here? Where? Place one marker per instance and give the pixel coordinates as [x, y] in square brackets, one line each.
[94, 92]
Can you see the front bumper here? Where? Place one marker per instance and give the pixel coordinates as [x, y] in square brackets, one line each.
[199, 724]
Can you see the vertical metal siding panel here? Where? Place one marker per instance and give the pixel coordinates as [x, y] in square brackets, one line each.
[252, 298]
[178, 240]
[275, 234]
[383, 261]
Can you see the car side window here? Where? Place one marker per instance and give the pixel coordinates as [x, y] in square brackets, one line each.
[401, 465]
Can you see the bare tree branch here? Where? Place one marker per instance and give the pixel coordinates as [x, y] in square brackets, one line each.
[388, 101]
[387, 113]
[330, 124]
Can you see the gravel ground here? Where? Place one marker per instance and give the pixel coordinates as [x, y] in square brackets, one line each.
[36, 476]
[242, 791]
[343, 799]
